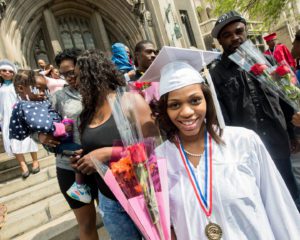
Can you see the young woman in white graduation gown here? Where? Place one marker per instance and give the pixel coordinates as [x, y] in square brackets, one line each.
[223, 184]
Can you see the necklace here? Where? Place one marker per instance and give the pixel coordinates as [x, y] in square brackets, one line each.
[213, 231]
[192, 154]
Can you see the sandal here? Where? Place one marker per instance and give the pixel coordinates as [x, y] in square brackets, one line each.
[35, 170]
[3, 212]
[25, 174]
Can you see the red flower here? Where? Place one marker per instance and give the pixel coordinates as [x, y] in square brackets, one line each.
[282, 70]
[138, 85]
[142, 85]
[138, 153]
[258, 68]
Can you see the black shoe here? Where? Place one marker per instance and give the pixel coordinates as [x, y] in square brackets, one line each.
[35, 170]
[25, 174]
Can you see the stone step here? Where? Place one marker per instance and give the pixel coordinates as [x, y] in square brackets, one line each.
[34, 216]
[1, 143]
[62, 228]
[7, 162]
[19, 184]
[31, 195]
[51, 229]
[15, 172]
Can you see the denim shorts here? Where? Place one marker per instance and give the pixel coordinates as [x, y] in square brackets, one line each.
[116, 221]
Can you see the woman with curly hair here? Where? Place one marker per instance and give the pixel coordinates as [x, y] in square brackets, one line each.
[67, 102]
[98, 79]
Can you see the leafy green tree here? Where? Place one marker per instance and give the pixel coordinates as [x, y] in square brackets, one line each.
[267, 11]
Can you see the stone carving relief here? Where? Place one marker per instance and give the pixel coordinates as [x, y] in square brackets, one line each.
[176, 29]
[148, 18]
[139, 9]
[3, 5]
[132, 2]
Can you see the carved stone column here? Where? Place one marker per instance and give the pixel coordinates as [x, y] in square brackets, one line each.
[144, 17]
[53, 31]
[100, 31]
[2, 8]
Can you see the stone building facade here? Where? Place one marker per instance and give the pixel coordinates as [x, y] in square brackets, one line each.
[288, 23]
[33, 29]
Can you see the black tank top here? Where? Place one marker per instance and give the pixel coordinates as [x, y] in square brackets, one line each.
[105, 135]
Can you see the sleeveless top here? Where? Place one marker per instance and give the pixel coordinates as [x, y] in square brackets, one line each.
[105, 135]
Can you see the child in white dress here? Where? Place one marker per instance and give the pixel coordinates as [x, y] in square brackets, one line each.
[8, 98]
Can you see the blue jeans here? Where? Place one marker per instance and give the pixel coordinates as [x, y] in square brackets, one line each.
[116, 221]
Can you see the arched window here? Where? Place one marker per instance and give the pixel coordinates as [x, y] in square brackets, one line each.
[75, 32]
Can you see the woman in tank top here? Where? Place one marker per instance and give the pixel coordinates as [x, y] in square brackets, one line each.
[97, 79]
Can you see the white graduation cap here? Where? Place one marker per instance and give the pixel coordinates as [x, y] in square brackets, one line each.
[194, 57]
[175, 68]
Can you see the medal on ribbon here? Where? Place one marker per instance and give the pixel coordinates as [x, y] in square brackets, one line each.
[212, 230]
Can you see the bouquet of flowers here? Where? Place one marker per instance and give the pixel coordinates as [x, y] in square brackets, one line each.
[142, 85]
[148, 90]
[280, 79]
[139, 87]
[136, 176]
[286, 79]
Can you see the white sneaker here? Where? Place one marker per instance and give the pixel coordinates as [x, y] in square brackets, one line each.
[80, 192]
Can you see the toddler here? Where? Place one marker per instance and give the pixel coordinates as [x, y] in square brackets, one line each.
[33, 114]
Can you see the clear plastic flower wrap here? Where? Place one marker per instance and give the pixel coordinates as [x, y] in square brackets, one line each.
[135, 175]
[279, 78]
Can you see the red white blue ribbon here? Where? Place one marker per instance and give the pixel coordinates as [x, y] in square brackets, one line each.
[203, 196]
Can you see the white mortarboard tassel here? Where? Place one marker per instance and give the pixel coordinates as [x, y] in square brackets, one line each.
[214, 95]
[175, 68]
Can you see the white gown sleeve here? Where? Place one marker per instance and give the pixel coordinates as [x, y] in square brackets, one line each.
[280, 208]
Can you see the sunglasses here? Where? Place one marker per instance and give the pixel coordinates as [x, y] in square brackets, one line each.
[68, 74]
[5, 70]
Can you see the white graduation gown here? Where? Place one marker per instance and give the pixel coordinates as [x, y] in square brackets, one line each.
[8, 98]
[250, 199]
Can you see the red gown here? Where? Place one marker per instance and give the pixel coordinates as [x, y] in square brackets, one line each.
[281, 53]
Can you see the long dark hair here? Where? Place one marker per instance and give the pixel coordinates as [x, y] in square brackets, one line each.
[159, 112]
[98, 76]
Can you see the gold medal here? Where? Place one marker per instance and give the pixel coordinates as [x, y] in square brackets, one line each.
[213, 231]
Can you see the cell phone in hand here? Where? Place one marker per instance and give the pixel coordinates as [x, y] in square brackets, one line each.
[69, 153]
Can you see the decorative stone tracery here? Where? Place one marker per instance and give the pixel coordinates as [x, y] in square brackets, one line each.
[3, 5]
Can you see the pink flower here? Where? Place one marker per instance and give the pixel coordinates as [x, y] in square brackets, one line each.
[282, 70]
[258, 68]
